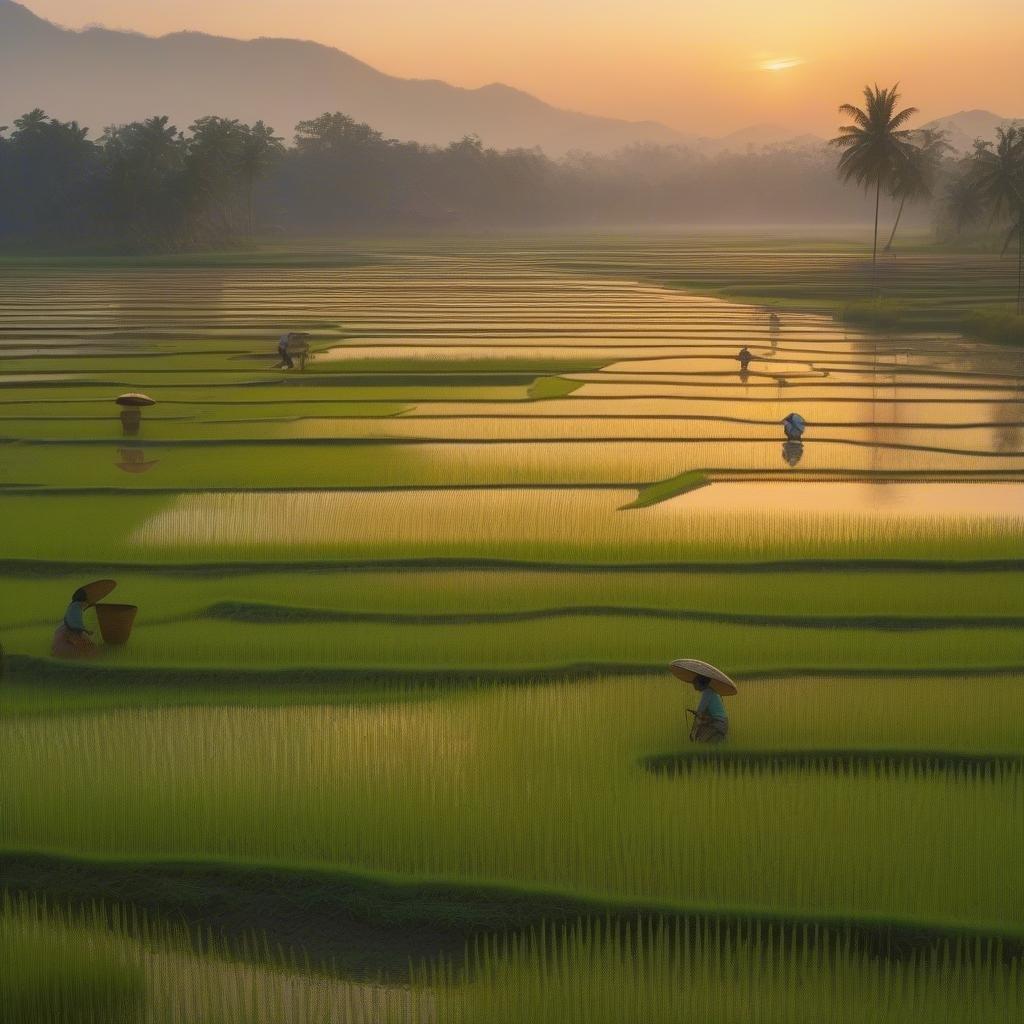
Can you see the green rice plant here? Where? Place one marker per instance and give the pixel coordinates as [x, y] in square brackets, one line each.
[54, 973]
[671, 488]
[879, 599]
[553, 387]
[101, 967]
[668, 972]
[658, 971]
[239, 638]
[542, 787]
[562, 525]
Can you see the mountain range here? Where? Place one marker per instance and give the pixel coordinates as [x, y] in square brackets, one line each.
[99, 77]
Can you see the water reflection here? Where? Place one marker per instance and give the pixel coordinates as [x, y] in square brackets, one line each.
[131, 422]
[133, 460]
[792, 452]
[1007, 421]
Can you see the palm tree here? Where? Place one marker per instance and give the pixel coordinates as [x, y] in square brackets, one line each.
[962, 201]
[874, 145]
[915, 174]
[998, 175]
[260, 149]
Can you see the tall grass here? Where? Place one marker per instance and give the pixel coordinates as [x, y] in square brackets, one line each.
[78, 969]
[541, 787]
[669, 973]
[63, 968]
[229, 641]
[561, 525]
[34, 599]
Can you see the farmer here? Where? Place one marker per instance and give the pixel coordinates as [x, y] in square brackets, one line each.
[282, 351]
[744, 356]
[794, 425]
[710, 724]
[72, 639]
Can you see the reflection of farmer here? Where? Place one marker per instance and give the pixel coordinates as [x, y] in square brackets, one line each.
[711, 723]
[794, 425]
[72, 639]
[744, 356]
[792, 452]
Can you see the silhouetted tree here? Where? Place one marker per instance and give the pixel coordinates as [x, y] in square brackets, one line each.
[874, 145]
[998, 175]
[962, 202]
[916, 172]
[49, 174]
[261, 150]
[145, 185]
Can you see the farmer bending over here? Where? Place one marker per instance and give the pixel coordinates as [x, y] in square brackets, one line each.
[71, 640]
[282, 351]
[710, 724]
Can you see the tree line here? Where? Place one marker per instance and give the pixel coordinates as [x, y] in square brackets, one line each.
[149, 186]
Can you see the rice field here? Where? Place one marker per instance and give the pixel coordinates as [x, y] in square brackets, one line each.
[403, 618]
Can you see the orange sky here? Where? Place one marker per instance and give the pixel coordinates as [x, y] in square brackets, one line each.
[693, 65]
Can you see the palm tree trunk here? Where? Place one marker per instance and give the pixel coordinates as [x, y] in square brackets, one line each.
[899, 213]
[874, 247]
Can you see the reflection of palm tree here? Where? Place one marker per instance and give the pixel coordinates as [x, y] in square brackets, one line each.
[915, 172]
[998, 175]
[874, 145]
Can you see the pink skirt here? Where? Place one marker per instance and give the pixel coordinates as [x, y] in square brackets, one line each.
[72, 645]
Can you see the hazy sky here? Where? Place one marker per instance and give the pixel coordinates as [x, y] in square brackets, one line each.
[693, 64]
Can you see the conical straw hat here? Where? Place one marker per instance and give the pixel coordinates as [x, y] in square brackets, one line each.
[134, 399]
[687, 669]
[97, 590]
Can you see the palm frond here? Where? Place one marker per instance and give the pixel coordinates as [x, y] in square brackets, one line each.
[902, 117]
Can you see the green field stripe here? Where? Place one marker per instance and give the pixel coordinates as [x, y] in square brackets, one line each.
[371, 922]
[78, 673]
[836, 761]
[656, 493]
[256, 612]
[35, 568]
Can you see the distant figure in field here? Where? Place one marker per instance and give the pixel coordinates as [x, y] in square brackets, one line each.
[72, 639]
[774, 326]
[744, 356]
[282, 351]
[794, 425]
[711, 723]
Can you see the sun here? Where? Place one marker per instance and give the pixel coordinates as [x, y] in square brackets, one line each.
[780, 63]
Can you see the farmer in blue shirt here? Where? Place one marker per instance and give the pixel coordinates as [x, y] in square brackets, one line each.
[282, 350]
[72, 639]
[711, 723]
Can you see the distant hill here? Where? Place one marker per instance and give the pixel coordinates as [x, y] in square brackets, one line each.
[963, 128]
[99, 77]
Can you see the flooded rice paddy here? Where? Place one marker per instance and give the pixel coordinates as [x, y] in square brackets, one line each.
[403, 616]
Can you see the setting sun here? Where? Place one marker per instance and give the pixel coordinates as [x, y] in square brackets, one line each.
[780, 64]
